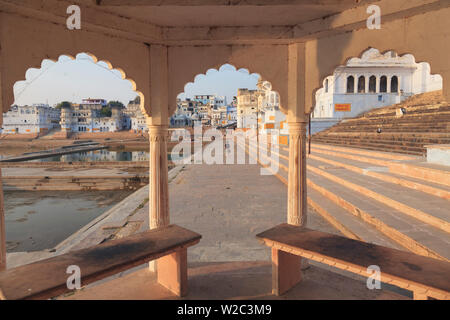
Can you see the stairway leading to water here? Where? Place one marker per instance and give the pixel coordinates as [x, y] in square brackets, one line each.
[365, 195]
[425, 120]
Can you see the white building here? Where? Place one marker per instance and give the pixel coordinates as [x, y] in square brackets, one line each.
[372, 81]
[247, 109]
[134, 119]
[231, 114]
[259, 109]
[87, 117]
[37, 119]
[139, 124]
[180, 121]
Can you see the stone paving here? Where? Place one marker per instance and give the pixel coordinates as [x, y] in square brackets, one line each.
[228, 205]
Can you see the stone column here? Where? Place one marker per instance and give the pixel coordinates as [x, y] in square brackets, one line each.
[297, 198]
[2, 203]
[2, 228]
[158, 177]
[388, 84]
[378, 84]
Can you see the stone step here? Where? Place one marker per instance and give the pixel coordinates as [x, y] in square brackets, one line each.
[418, 150]
[404, 230]
[363, 152]
[382, 173]
[379, 147]
[395, 130]
[406, 142]
[435, 116]
[362, 231]
[414, 203]
[435, 174]
[412, 115]
[344, 222]
[408, 232]
[408, 136]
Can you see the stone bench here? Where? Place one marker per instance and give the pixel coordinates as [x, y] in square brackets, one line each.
[426, 277]
[48, 278]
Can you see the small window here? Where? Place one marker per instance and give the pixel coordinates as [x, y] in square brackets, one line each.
[361, 84]
[373, 84]
[394, 84]
[383, 84]
[350, 84]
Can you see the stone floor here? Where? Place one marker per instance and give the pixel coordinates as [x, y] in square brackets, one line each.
[228, 205]
[234, 280]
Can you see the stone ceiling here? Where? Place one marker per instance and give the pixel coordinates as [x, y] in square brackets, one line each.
[276, 13]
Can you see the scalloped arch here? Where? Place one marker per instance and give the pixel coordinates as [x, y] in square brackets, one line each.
[96, 60]
[219, 68]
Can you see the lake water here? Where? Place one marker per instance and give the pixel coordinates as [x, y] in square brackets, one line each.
[99, 155]
[40, 220]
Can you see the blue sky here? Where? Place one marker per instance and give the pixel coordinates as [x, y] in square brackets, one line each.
[74, 80]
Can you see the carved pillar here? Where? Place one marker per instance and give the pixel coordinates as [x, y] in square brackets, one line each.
[158, 177]
[2, 227]
[2, 204]
[297, 204]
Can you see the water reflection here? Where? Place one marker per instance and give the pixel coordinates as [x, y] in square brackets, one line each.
[99, 155]
[39, 220]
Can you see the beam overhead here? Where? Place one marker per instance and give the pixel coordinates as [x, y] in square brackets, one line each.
[225, 2]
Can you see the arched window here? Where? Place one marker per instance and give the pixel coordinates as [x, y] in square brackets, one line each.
[383, 84]
[350, 84]
[373, 84]
[361, 84]
[394, 84]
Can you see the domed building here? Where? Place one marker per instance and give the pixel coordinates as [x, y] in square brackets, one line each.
[372, 81]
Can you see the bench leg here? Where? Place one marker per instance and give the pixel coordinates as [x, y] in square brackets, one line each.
[419, 295]
[286, 271]
[172, 272]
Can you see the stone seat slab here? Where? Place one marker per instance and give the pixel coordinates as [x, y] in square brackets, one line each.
[424, 276]
[48, 278]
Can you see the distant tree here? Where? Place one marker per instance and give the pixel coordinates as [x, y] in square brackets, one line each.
[106, 111]
[64, 104]
[115, 104]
